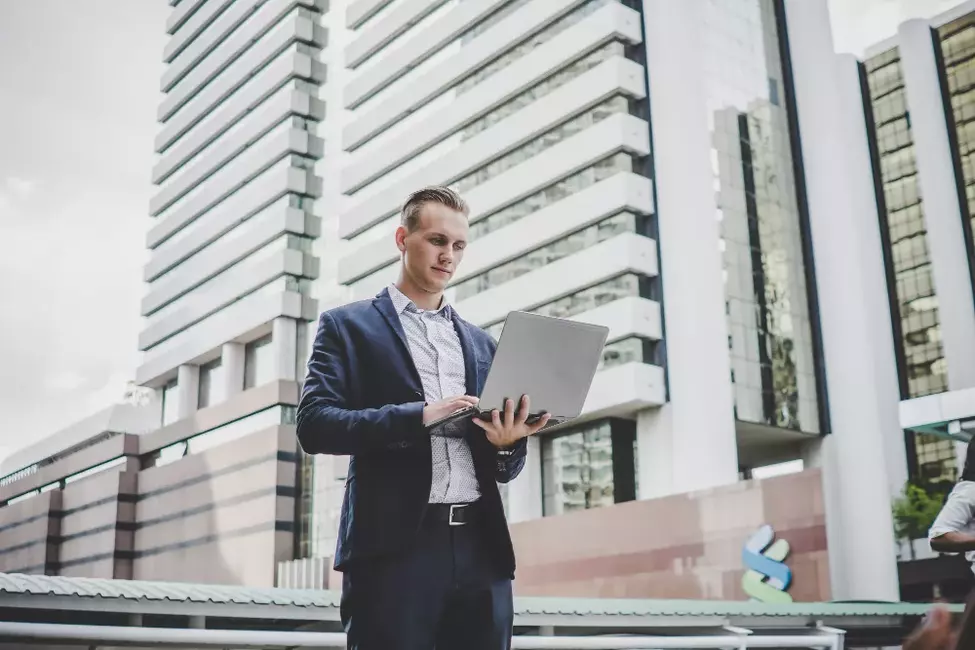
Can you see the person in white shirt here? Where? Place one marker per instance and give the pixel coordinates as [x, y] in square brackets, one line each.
[953, 530]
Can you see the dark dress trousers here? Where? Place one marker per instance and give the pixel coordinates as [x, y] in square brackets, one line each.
[411, 580]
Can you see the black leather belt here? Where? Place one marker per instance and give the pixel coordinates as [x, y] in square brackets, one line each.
[456, 514]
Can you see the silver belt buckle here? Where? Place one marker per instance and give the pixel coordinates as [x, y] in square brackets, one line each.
[450, 517]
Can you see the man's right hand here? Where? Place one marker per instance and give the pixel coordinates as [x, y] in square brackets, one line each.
[445, 407]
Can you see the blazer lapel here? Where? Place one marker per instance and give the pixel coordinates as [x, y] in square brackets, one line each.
[470, 361]
[384, 304]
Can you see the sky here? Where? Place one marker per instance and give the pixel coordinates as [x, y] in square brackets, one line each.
[79, 88]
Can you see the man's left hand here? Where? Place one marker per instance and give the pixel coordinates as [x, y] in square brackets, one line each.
[506, 429]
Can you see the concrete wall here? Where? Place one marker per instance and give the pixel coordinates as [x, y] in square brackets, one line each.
[682, 546]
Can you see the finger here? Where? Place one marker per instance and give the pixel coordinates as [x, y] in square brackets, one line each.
[509, 413]
[481, 423]
[469, 399]
[496, 418]
[538, 426]
[523, 410]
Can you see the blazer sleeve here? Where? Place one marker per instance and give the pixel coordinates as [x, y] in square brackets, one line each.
[511, 461]
[325, 423]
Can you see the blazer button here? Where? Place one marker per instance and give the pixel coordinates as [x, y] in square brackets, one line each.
[418, 393]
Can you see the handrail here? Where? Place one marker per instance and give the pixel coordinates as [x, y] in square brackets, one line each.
[173, 637]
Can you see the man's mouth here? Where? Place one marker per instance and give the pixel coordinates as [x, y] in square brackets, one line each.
[441, 270]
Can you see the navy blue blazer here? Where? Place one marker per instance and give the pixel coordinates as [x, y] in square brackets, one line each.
[363, 397]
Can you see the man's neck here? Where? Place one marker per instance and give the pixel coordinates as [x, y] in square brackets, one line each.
[422, 299]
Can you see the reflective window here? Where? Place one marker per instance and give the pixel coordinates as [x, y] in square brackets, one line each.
[771, 343]
[903, 218]
[538, 258]
[936, 461]
[611, 106]
[237, 429]
[623, 286]
[258, 362]
[170, 403]
[957, 40]
[564, 188]
[589, 467]
[211, 384]
[527, 46]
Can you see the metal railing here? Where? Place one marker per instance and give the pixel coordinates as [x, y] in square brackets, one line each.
[92, 636]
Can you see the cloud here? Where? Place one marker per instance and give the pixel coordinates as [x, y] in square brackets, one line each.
[20, 186]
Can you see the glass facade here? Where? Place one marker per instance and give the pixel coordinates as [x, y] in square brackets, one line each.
[170, 403]
[957, 41]
[903, 220]
[258, 362]
[589, 467]
[767, 301]
[211, 384]
[536, 259]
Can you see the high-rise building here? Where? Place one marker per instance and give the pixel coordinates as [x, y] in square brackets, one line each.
[695, 175]
[920, 104]
[640, 165]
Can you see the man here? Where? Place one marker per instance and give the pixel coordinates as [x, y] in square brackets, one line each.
[954, 529]
[423, 543]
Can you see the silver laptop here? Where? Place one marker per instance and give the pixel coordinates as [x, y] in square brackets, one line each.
[552, 360]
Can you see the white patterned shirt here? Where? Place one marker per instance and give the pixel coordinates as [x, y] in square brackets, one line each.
[439, 360]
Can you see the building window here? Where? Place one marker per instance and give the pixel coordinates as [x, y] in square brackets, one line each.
[258, 362]
[170, 403]
[211, 384]
[589, 467]
[569, 245]
[622, 286]
[902, 217]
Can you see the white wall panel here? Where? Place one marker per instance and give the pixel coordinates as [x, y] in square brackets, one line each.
[386, 29]
[178, 16]
[250, 35]
[185, 28]
[230, 116]
[625, 253]
[205, 43]
[480, 51]
[621, 192]
[237, 138]
[614, 21]
[616, 133]
[220, 291]
[261, 229]
[297, 28]
[251, 198]
[359, 11]
[416, 48]
[217, 33]
[297, 60]
[246, 318]
[615, 76]
[240, 171]
[623, 390]
[625, 318]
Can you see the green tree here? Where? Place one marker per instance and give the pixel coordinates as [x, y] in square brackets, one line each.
[914, 513]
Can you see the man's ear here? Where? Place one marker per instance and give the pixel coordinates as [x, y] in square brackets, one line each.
[401, 234]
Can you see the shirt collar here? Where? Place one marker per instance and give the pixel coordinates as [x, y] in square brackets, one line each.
[401, 302]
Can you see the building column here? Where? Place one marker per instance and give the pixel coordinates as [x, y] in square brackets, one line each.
[188, 389]
[232, 361]
[284, 342]
[692, 438]
[947, 239]
[875, 308]
[525, 492]
[859, 524]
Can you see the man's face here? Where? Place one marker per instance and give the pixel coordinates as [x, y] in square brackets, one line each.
[433, 251]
